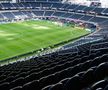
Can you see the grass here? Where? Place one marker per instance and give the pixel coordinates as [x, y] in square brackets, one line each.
[22, 37]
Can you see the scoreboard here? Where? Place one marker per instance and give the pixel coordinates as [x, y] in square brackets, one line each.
[87, 2]
[5, 0]
[95, 3]
[98, 4]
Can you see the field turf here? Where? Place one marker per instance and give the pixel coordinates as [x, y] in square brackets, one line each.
[22, 37]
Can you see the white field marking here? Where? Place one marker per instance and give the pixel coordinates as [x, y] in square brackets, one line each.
[2, 31]
[37, 26]
[58, 23]
[88, 30]
[7, 35]
[25, 24]
[10, 38]
[40, 27]
[28, 41]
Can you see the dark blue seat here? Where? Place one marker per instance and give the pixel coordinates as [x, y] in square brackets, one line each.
[33, 85]
[101, 71]
[99, 84]
[73, 84]
[58, 86]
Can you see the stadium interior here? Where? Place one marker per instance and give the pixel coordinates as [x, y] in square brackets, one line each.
[72, 65]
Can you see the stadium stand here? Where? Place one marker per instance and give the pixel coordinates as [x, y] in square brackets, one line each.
[81, 65]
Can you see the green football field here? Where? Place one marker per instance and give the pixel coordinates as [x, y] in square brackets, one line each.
[22, 37]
